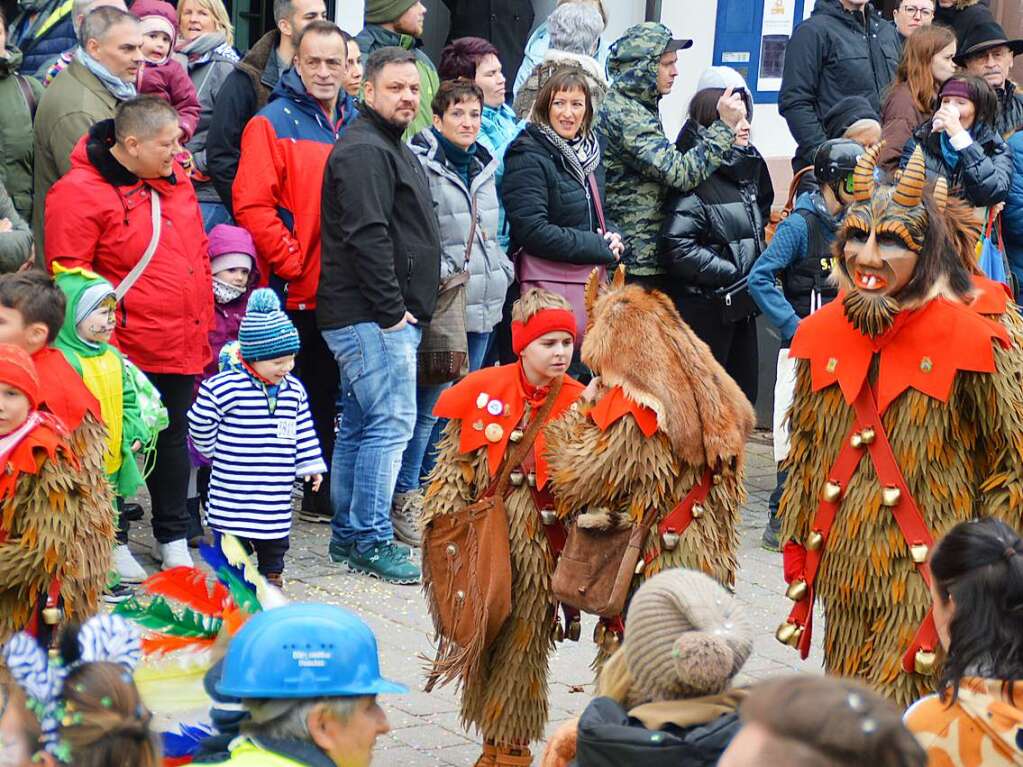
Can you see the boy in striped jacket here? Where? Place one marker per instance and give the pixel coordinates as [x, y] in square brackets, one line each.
[253, 423]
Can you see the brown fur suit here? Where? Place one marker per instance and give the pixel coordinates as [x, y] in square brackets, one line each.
[961, 458]
[638, 342]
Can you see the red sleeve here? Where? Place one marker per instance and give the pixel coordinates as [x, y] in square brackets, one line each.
[71, 230]
[256, 197]
[184, 99]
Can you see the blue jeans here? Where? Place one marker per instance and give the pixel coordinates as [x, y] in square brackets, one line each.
[378, 396]
[214, 213]
[421, 452]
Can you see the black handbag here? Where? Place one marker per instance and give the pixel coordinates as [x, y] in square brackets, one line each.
[737, 302]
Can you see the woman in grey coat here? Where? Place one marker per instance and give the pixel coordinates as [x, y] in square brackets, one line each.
[462, 176]
[206, 40]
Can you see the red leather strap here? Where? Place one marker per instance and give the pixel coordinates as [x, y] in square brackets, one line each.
[677, 521]
[542, 499]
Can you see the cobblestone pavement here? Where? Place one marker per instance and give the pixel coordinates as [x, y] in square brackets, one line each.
[425, 727]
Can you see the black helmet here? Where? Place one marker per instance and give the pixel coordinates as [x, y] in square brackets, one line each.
[835, 159]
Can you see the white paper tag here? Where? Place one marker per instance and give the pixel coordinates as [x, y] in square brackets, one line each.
[286, 430]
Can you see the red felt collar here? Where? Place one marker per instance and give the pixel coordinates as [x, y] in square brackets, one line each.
[923, 350]
[615, 404]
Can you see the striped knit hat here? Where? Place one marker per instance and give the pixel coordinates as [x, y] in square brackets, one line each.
[685, 637]
[266, 333]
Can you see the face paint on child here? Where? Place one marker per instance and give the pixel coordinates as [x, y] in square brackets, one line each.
[14, 408]
[274, 370]
[99, 324]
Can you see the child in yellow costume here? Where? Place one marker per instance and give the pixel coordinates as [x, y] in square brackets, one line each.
[664, 433]
[907, 419]
[84, 337]
[504, 684]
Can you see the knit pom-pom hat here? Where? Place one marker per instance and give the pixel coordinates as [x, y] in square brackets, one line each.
[266, 333]
[684, 638]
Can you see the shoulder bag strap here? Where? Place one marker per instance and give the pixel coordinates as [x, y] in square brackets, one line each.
[473, 213]
[30, 97]
[597, 205]
[515, 455]
[132, 277]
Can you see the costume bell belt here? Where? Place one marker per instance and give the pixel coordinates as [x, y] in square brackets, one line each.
[866, 436]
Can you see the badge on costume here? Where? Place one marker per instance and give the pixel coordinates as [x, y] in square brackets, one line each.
[286, 430]
[493, 432]
[495, 407]
[482, 400]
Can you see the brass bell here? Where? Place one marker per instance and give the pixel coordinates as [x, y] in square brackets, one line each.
[559, 631]
[797, 590]
[459, 595]
[919, 552]
[51, 616]
[451, 549]
[531, 479]
[868, 435]
[788, 633]
[516, 435]
[698, 510]
[516, 478]
[612, 640]
[890, 496]
[924, 662]
[814, 540]
[640, 566]
[548, 516]
[669, 540]
[598, 633]
[856, 440]
[716, 479]
[574, 630]
[832, 491]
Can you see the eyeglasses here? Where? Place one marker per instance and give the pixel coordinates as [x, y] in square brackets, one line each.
[922, 11]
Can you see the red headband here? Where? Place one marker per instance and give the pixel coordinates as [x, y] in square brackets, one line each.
[540, 324]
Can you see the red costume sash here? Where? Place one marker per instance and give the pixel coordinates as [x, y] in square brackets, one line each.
[490, 402]
[61, 389]
[615, 404]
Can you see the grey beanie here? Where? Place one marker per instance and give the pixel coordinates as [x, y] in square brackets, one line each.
[684, 637]
[383, 11]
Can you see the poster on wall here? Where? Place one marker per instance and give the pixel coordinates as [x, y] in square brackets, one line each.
[774, 36]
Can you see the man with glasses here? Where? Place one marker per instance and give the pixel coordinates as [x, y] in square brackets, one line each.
[986, 51]
[911, 15]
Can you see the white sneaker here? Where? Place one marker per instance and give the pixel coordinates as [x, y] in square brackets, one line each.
[173, 554]
[126, 565]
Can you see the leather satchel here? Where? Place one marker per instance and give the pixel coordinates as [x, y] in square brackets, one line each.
[443, 354]
[596, 567]
[467, 567]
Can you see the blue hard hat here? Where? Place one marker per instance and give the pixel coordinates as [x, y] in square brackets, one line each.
[304, 651]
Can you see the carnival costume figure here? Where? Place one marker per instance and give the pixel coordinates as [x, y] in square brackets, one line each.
[907, 418]
[491, 533]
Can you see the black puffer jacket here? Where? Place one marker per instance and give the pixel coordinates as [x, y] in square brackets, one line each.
[712, 235]
[549, 212]
[984, 171]
[834, 53]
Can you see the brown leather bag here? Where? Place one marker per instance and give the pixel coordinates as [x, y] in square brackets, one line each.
[790, 203]
[596, 567]
[467, 567]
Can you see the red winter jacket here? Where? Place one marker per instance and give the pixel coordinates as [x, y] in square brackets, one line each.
[98, 217]
[170, 82]
[276, 194]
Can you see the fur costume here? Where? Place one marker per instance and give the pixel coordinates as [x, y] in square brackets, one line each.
[940, 357]
[667, 413]
[506, 697]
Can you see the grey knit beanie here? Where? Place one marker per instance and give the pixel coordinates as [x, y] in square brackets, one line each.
[684, 637]
[383, 11]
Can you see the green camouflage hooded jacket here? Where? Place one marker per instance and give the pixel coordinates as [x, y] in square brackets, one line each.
[642, 166]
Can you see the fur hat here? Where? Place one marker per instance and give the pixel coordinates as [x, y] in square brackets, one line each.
[684, 637]
[18, 370]
[266, 333]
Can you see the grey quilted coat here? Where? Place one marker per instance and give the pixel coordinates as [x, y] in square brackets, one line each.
[490, 271]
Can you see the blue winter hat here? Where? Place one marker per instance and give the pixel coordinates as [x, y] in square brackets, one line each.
[266, 333]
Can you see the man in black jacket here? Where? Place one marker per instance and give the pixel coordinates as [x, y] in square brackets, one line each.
[247, 89]
[380, 274]
[987, 52]
[845, 48]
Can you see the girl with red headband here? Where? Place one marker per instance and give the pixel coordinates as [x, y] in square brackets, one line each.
[504, 676]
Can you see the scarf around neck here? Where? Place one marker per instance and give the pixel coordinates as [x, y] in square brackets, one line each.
[581, 153]
[118, 88]
[205, 47]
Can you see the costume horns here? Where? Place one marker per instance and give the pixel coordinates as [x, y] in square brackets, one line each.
[910, 189]
[863, 174]
[941, 193]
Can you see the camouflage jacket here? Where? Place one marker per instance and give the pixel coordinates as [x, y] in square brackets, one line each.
[643, 166]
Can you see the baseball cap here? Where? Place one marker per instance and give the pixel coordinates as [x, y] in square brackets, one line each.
[677, 45]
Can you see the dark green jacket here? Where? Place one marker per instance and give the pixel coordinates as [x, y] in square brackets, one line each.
[643, 166]
[16, 133]
[372, 37]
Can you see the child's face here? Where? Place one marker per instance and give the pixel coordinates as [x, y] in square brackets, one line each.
[13, 330]
[14, 408]
[238, 276]
[99, 324]
[274, 370]
[156, 46]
